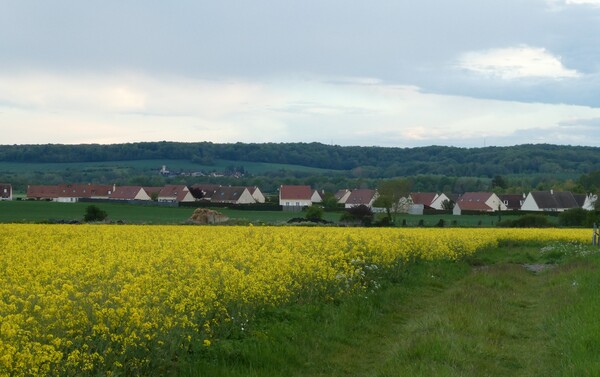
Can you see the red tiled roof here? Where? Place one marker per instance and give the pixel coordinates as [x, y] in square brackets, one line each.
[361, 196]
[295, 192]
[68, 191]
[126, 192]
[425, 198]
[474, 201]
[173, 191]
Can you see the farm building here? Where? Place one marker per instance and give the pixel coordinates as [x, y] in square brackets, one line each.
[5, 191]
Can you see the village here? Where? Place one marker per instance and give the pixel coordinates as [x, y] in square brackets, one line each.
[298, 197]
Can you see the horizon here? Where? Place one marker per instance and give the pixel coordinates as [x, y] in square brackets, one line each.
[303, 142]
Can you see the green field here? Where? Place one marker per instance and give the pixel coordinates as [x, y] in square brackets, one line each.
[175, 166]
[23, 211]
[487, 315]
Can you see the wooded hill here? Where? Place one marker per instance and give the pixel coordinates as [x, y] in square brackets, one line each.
[373, 162]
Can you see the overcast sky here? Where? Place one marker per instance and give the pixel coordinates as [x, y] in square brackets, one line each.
[380, 72]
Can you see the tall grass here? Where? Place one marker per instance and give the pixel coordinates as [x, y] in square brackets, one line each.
[487, 315]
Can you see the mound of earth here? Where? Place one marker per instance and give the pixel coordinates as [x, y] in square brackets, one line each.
[204, 216]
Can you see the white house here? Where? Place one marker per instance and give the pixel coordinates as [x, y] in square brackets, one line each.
[478, 202]
[361, 197]
[129, 193]
[431, 200]
[233, 195]
[257, 194]
[295, 197]
[175, 193]
[342, 196]
[317, 197]
[549, 201]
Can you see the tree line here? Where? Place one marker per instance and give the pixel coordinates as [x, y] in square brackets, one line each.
[368, 162]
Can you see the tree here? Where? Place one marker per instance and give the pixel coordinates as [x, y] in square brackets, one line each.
[94, 213]
[314, 213]
[448, 205]
[390, 194]
[330, 203]
[360, 213]
[499, 182]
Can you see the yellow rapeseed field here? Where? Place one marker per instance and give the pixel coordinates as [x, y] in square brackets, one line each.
[121, 300]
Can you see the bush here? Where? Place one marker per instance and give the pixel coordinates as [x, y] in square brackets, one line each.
[360, 213]
[94, 213]
[314, 213]
[527, 221]
[573, 217]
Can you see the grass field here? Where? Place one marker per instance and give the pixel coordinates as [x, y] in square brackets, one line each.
[40, 211]
[488, 315]
[149, 165]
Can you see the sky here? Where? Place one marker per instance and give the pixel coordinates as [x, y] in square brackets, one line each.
[393, 73]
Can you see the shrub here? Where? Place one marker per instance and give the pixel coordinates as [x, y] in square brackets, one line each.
[573, 217]
[314, 213]
[94, 213]
[527, 221]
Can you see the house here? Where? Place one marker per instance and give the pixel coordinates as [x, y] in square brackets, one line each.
[429, 200]
[175, 193]
[203, 191]
[232, 195]
[256, 194]
[129, 193]
[513, 202]
[342, 195]
[549, 201]
[587, 202]
[152, 191]
[295, 197]
[41, 192]
[361, 197]
[5, 191]
[440, 201]
[317, 197]
[478, 202]
[69, 193]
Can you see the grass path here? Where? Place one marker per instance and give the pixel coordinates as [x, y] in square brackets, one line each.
[488, 316]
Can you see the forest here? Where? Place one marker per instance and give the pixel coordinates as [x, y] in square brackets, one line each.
[432, 168]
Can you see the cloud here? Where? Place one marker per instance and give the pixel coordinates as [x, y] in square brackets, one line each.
[515, 63]
[127, 107]
[583, 2]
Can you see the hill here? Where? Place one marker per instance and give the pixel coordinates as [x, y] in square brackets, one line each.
[378, 162]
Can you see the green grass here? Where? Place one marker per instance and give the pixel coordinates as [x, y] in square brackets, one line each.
[21, 211]
[483, 316]
[149, 165]
[38, 211]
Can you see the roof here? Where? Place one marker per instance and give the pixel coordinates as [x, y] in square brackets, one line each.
[203, 191]
[83, 191]
[229, 194]
[126, 192]
[474, 201]
[173, 191]
[512, 201]
[554, 200]
[341, 193]
[425, 198]
[580, 199]
[295, 192]
[69, 191]
[361, 196]
[42, 192]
